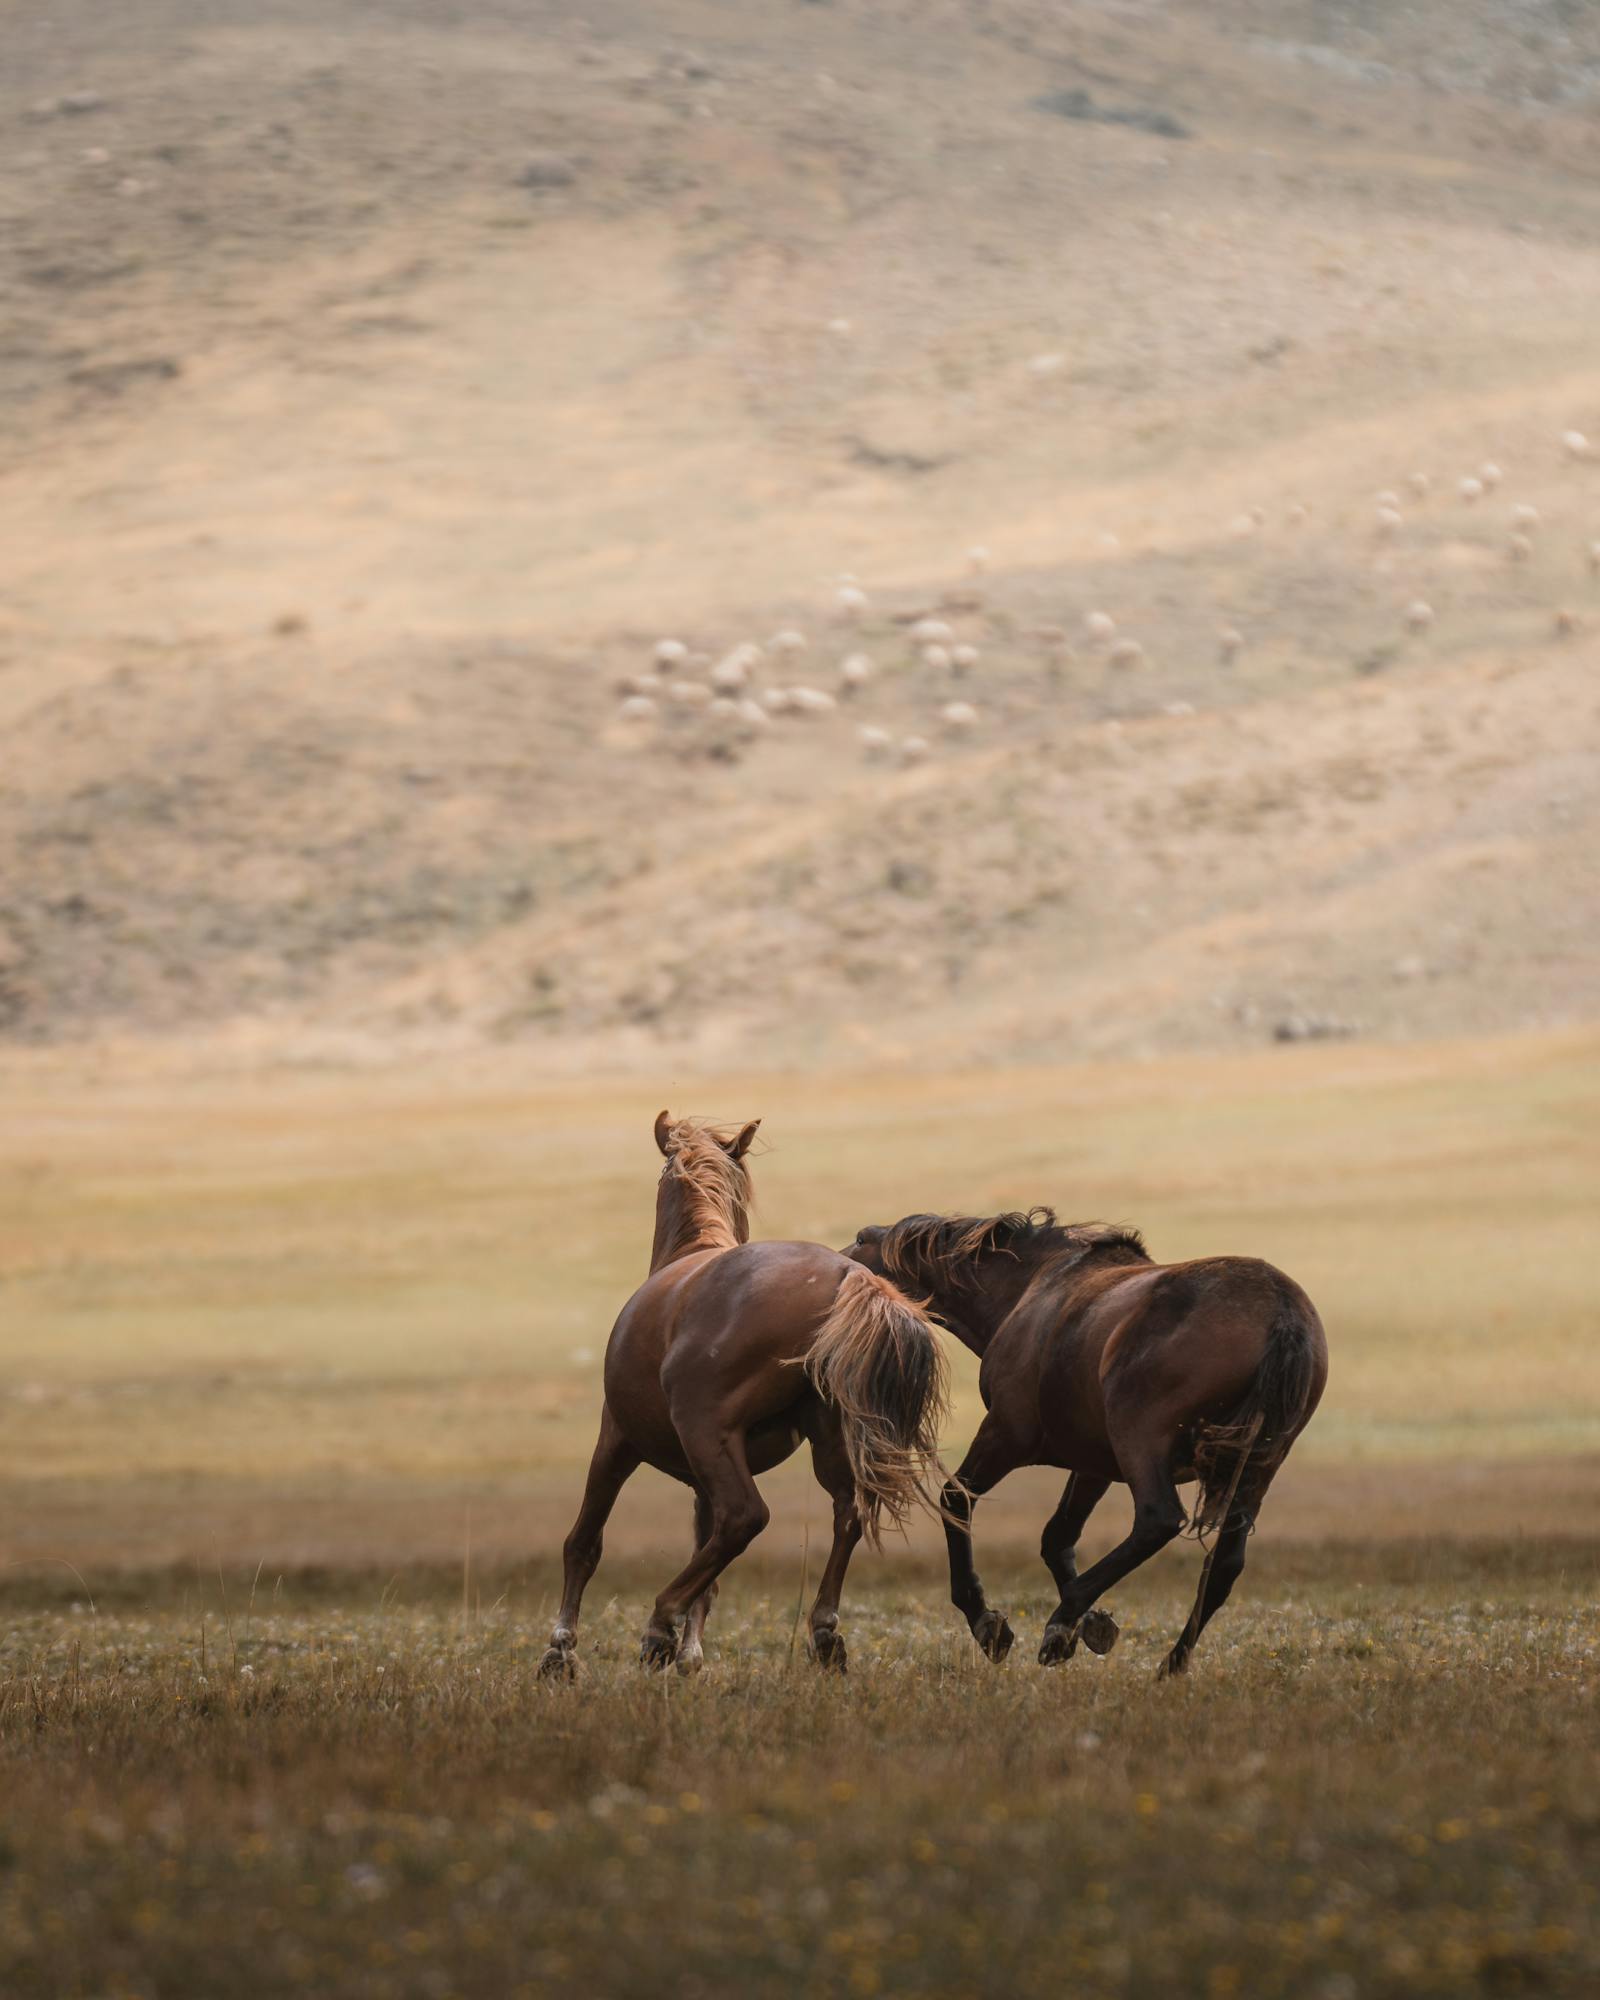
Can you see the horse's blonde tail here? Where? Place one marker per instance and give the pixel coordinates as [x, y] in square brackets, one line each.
[878, 1361]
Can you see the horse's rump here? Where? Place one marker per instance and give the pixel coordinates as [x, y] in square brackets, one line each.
[1235, 1456]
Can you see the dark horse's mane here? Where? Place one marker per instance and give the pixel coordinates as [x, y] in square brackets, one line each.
[922, 1248]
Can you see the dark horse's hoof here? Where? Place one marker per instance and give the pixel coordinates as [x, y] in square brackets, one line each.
[558, 1664]
[828, 1650]
[1098, 1631]
[994, 1635]
[1176, 1663]
[658, 1649]
[1060, 1643]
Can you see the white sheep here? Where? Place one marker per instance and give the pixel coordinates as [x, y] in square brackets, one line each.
[689, 694]
[1230, 642]
[1388, 498]
[638, 708]
[732, 672]
[852, 603]
[1491, 474]
[1519, 548]
[752, 714]
[936, 658]
[959, 717]
[1126, 653]
[776, 701]
[1470, 489]
[964, 658]
[931, 632]
[723, 707]
[1575, 444]
[1100, 628]
[788, 644]
[913, 749]
[1419, 614]
[670, 653]
[1390, 522]
[876, 742]
[811, 701]
[1421, 484]
[1524, 517]
[855, 670]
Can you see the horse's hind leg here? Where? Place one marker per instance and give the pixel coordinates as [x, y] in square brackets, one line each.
[1225, 1564]
[1059, 1548]
[614, 1462]
[832, 1467]
[691, 1654]
[1224, 1567]
[738, 1514]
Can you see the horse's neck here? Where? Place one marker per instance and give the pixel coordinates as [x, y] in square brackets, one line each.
[976, 1314]
[682, 1229]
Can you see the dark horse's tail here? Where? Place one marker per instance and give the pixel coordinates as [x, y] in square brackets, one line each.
[1236, 1457]
[877, 1359]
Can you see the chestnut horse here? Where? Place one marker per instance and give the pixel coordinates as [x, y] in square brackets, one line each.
[1112, 1367]
[728, 1355]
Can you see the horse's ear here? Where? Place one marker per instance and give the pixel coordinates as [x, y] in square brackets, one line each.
[663, 1128]
[742, 1144]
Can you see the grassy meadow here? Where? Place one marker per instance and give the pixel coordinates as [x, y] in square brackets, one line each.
[300, 1374]
[350, 1309]
[1380, 1779]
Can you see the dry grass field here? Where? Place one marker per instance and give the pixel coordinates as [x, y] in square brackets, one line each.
[351, 1310]
[1379, 1780]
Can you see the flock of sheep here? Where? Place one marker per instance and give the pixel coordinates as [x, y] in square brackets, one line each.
[741, 694]
[746, 690]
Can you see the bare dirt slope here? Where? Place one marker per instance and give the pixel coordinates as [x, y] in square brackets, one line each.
[378, 389]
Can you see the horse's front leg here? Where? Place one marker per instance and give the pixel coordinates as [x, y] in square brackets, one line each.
[1059, 1548]
[993, 1453]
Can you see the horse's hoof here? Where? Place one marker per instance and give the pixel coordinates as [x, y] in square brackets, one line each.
[690, 1661]
[1060, 1643]
[828, 1650]
[994, 1635]
[558, 1664]
[1175, 1664]
[658, 1649]
[1098, 1630]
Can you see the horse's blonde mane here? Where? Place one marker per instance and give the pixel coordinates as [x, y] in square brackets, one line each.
[712, 1188]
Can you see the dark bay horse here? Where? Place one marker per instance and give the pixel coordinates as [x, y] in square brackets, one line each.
[728, 1355]
[1112, 1367]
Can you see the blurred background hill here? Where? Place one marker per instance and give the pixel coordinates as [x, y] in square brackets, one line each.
[381, 386]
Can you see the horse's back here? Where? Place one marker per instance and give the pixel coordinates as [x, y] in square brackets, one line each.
[721, 1331]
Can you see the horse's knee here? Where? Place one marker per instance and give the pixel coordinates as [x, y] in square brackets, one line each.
[956, 1501]
[743, 1523]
